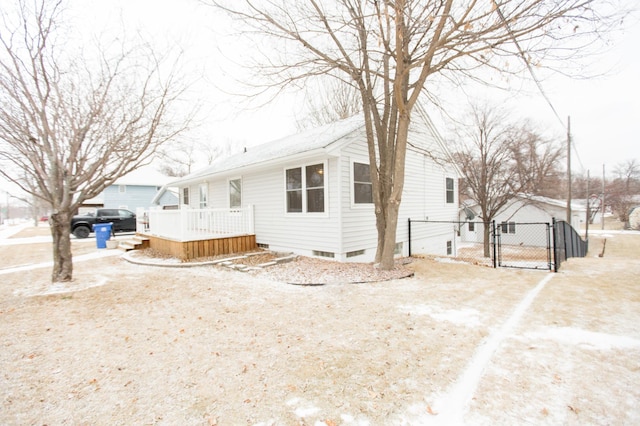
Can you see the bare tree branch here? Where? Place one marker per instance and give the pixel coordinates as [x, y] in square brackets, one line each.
[71, 125]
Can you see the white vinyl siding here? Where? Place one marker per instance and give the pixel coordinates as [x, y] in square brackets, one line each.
[344, 228]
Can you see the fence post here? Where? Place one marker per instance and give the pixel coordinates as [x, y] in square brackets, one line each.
[493, 233]
[409, 237]
[555, 244]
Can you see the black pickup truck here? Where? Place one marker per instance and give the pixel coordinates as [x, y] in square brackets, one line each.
[122, 220]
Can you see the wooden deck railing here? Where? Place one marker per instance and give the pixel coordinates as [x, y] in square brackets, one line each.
[195, 224]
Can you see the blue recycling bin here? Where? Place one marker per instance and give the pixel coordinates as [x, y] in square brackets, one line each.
[103, 233]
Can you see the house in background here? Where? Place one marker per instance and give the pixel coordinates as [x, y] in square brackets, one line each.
[516, 216]
[134, 191]
[311, 193]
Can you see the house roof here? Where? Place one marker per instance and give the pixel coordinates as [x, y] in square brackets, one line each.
[533, 200]
[320, 138]
[144, 176]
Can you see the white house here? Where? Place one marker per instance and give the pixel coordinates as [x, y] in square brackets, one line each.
[310, 193]
[519, 217]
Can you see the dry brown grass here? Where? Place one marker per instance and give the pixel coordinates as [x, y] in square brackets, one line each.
[206, 345]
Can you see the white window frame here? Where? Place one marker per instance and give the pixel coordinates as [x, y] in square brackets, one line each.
[186, 190]
[304, 189]
[229, 192]
[203, 201]
[446, 191]
[507, 227]
[352, 182]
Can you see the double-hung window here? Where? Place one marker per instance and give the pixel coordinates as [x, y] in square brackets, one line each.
[362, 187]
[450, 190]
[508, 227]
[185, 195]
[305, 188]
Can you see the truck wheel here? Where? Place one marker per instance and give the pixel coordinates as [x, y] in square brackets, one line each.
[81, 232]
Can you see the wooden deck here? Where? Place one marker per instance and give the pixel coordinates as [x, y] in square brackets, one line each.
[187, 250]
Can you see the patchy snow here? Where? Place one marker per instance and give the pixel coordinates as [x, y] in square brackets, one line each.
[448, 260]
[340, 354]
[82, 258]
[466, 316]
[452, 406]
[584, 338]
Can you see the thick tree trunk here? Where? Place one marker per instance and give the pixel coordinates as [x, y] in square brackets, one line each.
[487, 239]
[60, 224]
[389, 244]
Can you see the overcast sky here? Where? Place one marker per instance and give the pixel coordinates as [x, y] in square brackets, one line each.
[605, 111]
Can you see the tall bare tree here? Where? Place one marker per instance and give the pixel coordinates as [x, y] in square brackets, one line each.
[336, 100]
[487, 165]
[71, 125]
[537, 162]
[623, 190]
[500, 159]
[390, 49]
[181, 157]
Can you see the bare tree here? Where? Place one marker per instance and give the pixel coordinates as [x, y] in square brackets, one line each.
[484, 155]
[389, 49]
[500, 160]
[336, 100]
[71, 125]
[623, 190]
[179, 158]
[537, 162]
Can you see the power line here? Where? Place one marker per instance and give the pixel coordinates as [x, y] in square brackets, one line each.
[536, 80]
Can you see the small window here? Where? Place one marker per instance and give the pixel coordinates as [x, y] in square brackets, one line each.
[362, 187]
[122, 189]
[235, 193]
[203, 195]
[472, 226]
[397, 249]
[450, 190]
[315, 188]
[355, 253]
[305, 188]
[449, 248]
[294, 190]
[508, 227]
[185, 195]
[321, 253]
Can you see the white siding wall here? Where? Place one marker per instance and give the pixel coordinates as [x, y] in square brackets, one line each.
[302, 233]
[359, 221]
[424, 197]
[344, 227]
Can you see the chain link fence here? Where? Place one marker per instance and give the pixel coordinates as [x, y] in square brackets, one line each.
[505, 244]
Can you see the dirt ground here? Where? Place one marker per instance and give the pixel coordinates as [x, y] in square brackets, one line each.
[454, 343]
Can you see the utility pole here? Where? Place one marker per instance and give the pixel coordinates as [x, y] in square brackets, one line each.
[569, 170]
[602, 204]
[586, 229]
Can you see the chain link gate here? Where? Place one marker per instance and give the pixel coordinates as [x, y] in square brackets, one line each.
[523, 245]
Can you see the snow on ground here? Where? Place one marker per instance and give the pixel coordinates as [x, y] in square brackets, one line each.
[456, 344]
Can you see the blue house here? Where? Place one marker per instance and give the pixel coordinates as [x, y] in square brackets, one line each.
[133, 191]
